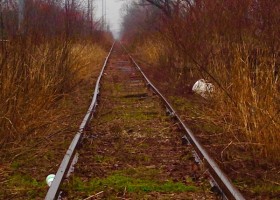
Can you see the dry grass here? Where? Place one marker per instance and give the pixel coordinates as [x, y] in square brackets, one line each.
[152, 51]
[34, 78]
[246, 104]
[38, 146]
[253, 106]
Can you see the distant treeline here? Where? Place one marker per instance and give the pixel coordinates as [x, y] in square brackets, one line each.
[49, 18]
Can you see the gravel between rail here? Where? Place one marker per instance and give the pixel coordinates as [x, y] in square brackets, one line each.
[133, 150]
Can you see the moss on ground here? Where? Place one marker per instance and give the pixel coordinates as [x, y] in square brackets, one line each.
[27, 185]
[138, 152]
[139, 181]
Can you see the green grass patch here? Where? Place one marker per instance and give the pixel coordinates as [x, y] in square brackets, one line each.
[258, 187]
[182, 103]
[119, 182]
[267, 188]
[103, 159]
[15, 165]
[139, 180]
[28, 185]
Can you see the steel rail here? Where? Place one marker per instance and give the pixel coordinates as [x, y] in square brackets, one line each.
[53, 191]
[219, 178]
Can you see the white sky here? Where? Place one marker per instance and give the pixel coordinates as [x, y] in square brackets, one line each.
[113, 11]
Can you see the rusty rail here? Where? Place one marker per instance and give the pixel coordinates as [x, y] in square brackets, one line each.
[53, 192]
[217, 177]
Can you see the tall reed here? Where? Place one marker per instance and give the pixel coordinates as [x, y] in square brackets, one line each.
[246, 98]
[34, 77]
[250, 79]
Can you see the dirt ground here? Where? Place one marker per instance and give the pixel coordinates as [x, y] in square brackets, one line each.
[134, 150]
[255, 177]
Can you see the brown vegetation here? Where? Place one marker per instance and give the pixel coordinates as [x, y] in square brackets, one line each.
[234, 45]
[39, 62]
[48, 63]
[29, 157]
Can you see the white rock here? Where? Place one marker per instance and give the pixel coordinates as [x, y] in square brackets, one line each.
[203, 88]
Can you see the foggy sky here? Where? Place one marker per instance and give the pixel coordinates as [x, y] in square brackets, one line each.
[113, 10]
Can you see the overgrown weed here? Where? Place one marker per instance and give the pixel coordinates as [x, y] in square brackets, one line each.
[35, 77]
[246, 90]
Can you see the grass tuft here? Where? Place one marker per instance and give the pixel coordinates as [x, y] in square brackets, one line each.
[119, 183]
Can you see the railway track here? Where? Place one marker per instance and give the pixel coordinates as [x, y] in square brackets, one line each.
[128, 147]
